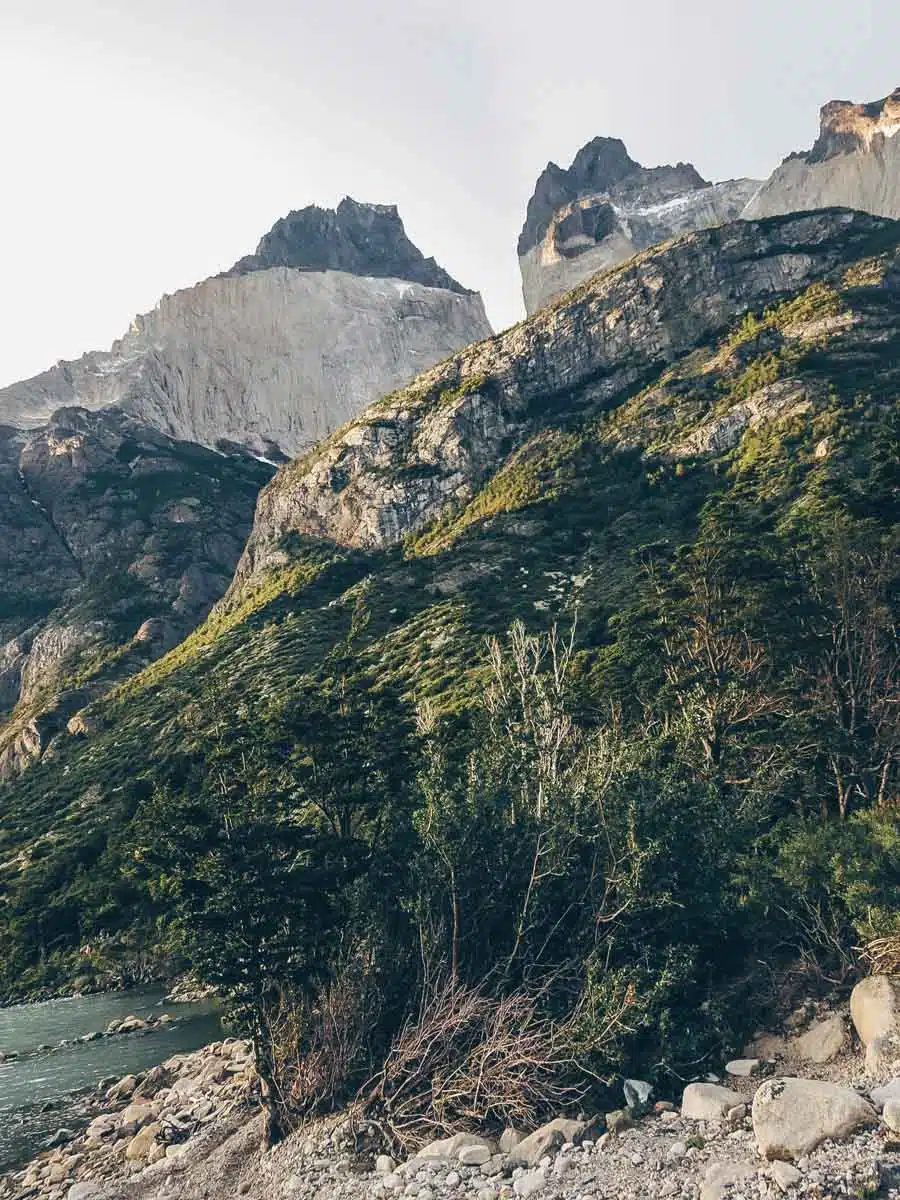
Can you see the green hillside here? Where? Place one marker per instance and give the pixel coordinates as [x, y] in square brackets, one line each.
[719, 537]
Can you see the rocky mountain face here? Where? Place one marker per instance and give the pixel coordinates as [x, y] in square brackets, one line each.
[755, 365]
[128, 478]
[749, 372]
[408, 457]
[334, 310]
[855, 163]
[360, 239]
[115, 542]
[605, 208]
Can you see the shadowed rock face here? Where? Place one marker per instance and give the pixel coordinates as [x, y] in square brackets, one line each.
[607, 207]
[855, 163]
[115, 541]
[362, 239]
[334, 310]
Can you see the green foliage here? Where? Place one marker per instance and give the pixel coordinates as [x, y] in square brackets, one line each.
[656, 737]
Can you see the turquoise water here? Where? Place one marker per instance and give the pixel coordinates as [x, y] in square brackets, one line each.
[38, 1089]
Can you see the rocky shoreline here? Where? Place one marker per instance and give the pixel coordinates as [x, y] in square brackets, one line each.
[810, 1111]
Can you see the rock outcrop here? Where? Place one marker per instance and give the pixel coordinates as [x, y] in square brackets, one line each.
[334, 310]
[605, 208]
[855, 163]
[115, 542]
[359, 239]
[395, 468]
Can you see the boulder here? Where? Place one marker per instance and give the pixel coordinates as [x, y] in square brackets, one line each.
[529, 1183]
[793, 1116]
[143, 1142]
[475, 1156]
[123, 1089]
[131, 1024]
[62, 1137]
[891, 1115]
[823, 1041]
[721, 1178]
[708, 1102]
[139, 1112]
[83, 1190]
[449, 1148]
[883, 1055]
[743, 1068]
[638, 1095]
[530, 1151]
[509, 1139]
[880, 1095]
[618, 1121]
[785, 1175]
[875, 1007]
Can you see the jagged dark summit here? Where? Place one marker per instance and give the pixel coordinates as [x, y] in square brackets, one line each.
[362, 239]
[605, 208]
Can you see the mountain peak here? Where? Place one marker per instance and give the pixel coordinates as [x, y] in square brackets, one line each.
[846, 127]
[855, 163]
[358, 238]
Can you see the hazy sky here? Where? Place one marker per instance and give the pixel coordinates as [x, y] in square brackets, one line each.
[148, 145]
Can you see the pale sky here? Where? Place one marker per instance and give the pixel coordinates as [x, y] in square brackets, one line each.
[146, 146]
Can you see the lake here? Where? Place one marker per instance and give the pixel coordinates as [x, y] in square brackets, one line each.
[41, 1078]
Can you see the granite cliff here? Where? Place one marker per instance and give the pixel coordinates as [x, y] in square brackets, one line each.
[334, 310]
[855, 163]
[606, 207]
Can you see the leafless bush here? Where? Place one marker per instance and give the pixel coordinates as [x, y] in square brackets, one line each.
[883, 955]
[471, 1059]
[318, 1048]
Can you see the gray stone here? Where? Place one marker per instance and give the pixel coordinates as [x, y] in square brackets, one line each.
[272, 357]
[720, 1178]
[875, 1007]
[605, 208]
[890, 1091]
[638, 1095]
[743, 1068]
[785, 1175]
[883, 1054]
[384, 1164]
[823, 1041]
[529, 1183]
[62, 1137]
[475, 1156]
[449, 1148]
[855, 163]
[793, 1116]
[83, 1190]
[708, 1102]
[891, 1115]
[545, 1140]
[509, 1139]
